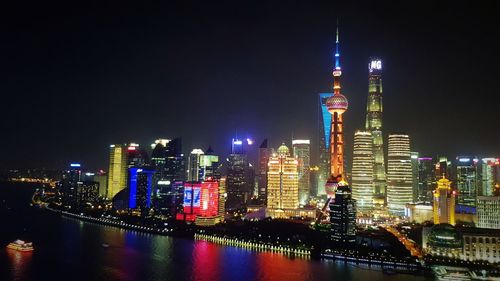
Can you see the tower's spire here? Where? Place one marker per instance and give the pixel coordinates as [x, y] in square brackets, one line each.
[337, 52]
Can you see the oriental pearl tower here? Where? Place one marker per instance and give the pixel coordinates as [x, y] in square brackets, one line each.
[337, 105]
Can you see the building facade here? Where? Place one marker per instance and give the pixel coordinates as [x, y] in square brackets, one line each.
[265, 153]
[117, 174]
[282, 181]
[399, 174]
[488, 212]
[444, 202]
[374, 111]
[362, 171]
[302, 153]
[325, 122]
[467, 180]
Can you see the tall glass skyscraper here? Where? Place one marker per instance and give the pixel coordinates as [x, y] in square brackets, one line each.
[467, 180]
[302, 152]
[373, 124]
[265, 153]
[362, 171]
[414, 173]
[399, 174]
[426, 179]
[325, 123]
[117, 175]
[239, 182]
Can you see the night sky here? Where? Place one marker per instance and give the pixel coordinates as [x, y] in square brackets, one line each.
[78, 77]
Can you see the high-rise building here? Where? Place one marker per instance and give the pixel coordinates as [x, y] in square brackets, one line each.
[426, 179]
[102, 179]
[343, 216]
[140, 188]
[325, 123]
[69, 185]
[117, 174]
[488, 212]
[136, 156]
[209, 165]
[444, 202]
[170, 188]
[194, 165]
[282, 181]
[362, 171]
[414, 174]
[443, 167]
[467, 180]
[399, 174]
[239, 182]
[374, 110]
[490, 170]
[201, 202]
[302, 152]
[158, 162]
[265, 153]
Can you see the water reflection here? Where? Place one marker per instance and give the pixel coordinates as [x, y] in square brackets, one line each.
[20, 263]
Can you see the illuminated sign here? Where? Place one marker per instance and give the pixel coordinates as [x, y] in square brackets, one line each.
[192, 197]
[301, 142]
[163, 182]
[249, 141]
[75, 165]
[375, 64]
[237, 142]
[464, 160]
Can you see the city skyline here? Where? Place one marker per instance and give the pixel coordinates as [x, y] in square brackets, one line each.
[113, 76]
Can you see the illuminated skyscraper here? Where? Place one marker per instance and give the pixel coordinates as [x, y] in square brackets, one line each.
[444, 202]
[302, 152]
[194, 164]
[399, 174]
[136, 156]
[414, 175]
[239, 182]
[488, 212]
[374, 111]
[325, 123]
[282, 180]
[490, 170]
[140, 188]
[209, 164]
[362, 171]
[467, 180]
[426, 179]
[69, 186]
[265, 153]
[117, 176]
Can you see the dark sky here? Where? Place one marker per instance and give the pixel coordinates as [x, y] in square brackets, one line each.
[78, 77]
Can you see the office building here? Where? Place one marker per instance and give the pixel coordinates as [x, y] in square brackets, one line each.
[201, 203]
[282, 180]
[325, 123]
[194, 165]
[302, 153]
[490, 173]
[140, 188]
[374, 111]
[488, 212]
[69, 186]
[136, 156]
[414, 174]
[426, 179]
[117, 174]
[240, 177]
[343, 216]
[444, 202]
[467, 180]
[362, 171]
[265, 153]
[209, 165]
[399, 174]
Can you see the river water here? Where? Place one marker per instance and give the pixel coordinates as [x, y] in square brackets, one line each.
[68, 249]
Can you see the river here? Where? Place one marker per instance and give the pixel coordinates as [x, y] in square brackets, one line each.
[69, 249]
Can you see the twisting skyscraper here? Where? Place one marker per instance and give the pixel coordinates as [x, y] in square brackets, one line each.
[374, 126]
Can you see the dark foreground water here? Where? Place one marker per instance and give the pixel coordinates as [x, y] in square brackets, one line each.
[68, 249]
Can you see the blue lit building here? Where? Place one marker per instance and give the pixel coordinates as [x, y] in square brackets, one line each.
[140, 183]
[467, 180]
[325, 123]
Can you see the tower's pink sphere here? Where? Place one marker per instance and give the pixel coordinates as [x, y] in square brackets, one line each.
[337, 103]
